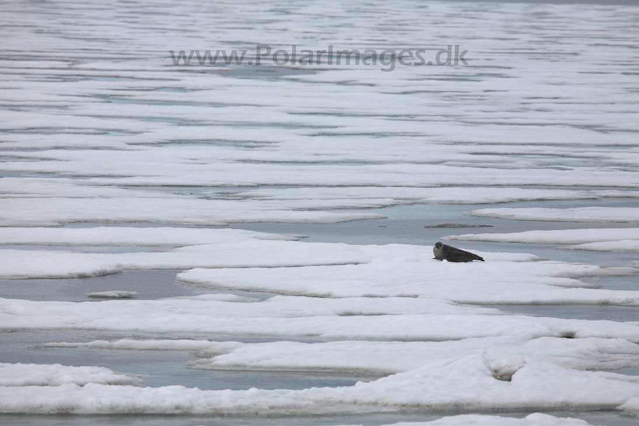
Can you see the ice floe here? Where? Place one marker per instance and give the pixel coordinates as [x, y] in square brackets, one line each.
[562, 236]
[385, 357]
[535, 419]
[441, 386]
[23, 264]
[618, 245]
[574, 214]
[401, 270]
[148, 345]
[292, 318]
[631, 407]
[403, 195]
[130, 236]
[337, 270]
[393, 357]
[38, 212]
[20, 264]
[593, 239]
[56, 375]
[25, 187]
[113, 294]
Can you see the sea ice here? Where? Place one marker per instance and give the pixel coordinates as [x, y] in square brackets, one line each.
[292, 318]
[246, 253]
[56, 375]
[148, 345]
[401, 270]
[470, 383]
[393, 357]
[22, 264]
[113, 294]
[593, 239]
[24, 187]
[131, 236]
[99, 128]
[618, 245]
[562, 236]
[403, 195]
[39, 212]
[535, 419]
[574, 214]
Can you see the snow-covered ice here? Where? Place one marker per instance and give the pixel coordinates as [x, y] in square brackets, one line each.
[246, 253]
[393, 357]
[562, 236]
[25, 187]
[619, 245]
[36, 212]
[384, 357]
[592, 239]
[22, 264]
[631, 407]
[291, 318]
[404, 270]
[150, 345]
[439, 386]
[535, 419]
[13, 375]
[575, 214]
[130, 236]
[402, 195]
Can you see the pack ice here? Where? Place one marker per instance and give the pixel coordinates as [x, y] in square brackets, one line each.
[114, 159]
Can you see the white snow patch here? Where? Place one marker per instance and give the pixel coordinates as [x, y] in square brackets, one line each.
[56, 374]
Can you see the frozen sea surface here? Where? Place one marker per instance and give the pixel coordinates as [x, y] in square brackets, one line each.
[127, 171]
[606, 419]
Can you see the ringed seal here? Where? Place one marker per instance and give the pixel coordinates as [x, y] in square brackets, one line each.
[452, 254]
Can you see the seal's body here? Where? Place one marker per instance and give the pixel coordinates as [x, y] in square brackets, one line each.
[452, 254]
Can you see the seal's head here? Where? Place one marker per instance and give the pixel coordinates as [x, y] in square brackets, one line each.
[438, 251]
